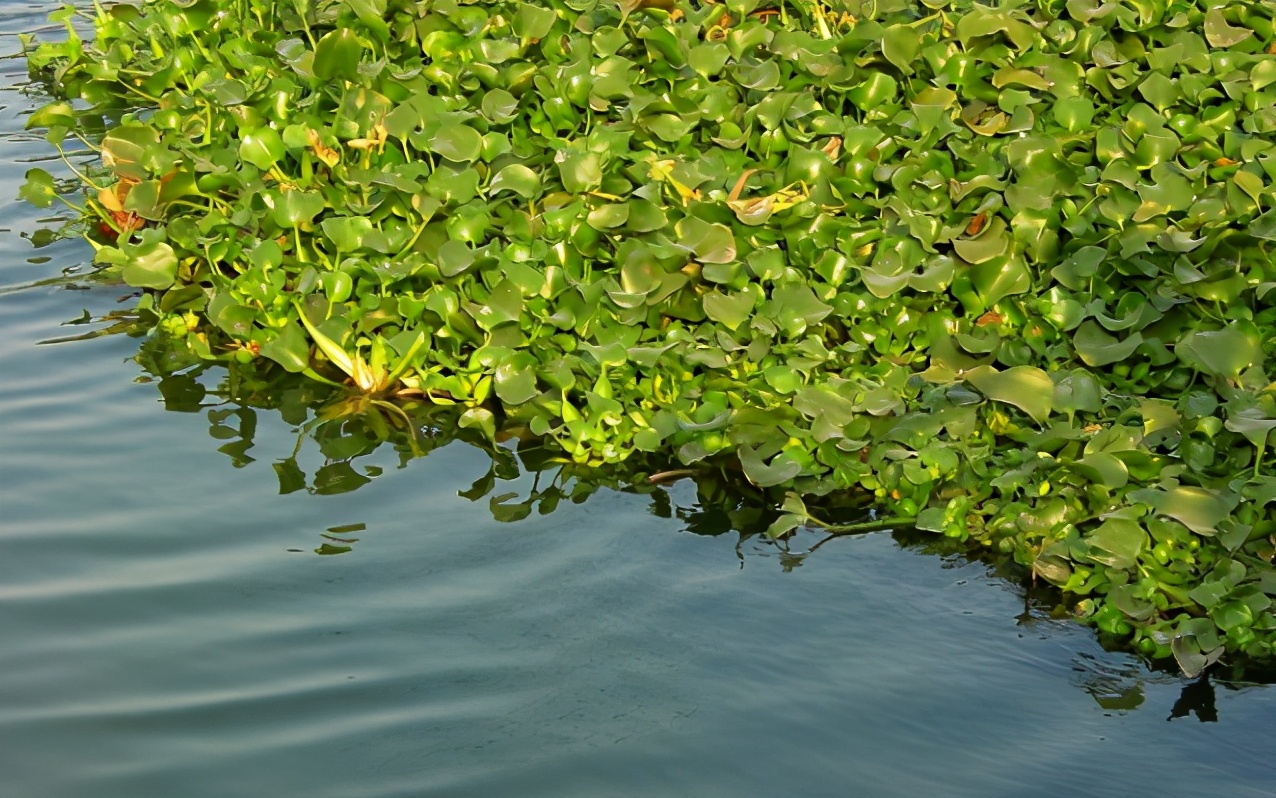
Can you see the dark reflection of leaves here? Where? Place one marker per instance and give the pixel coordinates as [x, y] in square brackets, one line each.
[1117, 682]
[1197, 698]
[1116, 687]
[712, 501]
[346, 429]
[117, 322]
[239, 436]
[338, 540]
[291, 477]
[338, 477]
[182, 393]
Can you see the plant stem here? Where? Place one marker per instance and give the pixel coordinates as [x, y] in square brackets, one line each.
[890, 522]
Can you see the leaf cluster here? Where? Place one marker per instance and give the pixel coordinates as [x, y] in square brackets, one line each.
[1002, 270]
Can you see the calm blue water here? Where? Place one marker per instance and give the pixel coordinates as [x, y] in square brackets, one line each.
[166, 628]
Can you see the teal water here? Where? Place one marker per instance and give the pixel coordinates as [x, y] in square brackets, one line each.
[166, 628]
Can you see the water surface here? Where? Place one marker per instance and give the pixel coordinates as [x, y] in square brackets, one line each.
[166, 628]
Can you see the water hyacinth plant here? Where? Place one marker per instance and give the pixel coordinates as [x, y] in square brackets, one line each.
[1001, 271]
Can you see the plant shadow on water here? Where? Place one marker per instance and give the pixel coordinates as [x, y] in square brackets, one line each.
[337, 432]
[1117, 686]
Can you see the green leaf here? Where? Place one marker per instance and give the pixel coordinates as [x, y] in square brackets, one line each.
[1026, 387]
[796, 307]
[1220, 34]
[900, 45]
[38, 188]
[1074, 113]
[515, 379]
[1199, 509]
[1000, 278]
[608, 216]
[330, 348]
[1221, 353]
[481, 419]
[127, 149]
[293, 208]
[1117, 543]
[372, 14]
[708, 59]
[504, 305]
[1103, 468]
[349, 233]
[454, 257]
[149, 265]
[709, 242]
[289, 348]
[1253, 424]
[780, 470]
[532, 22]
[581, 173]
[55, 114]
[1097, 348]
[991, 243]
[731, 310]
[262, 147]
[981, 22]
[1190, 656]
[517, 178]
[1232, 615]
[783, 525]
[337, 55]
[459, 143]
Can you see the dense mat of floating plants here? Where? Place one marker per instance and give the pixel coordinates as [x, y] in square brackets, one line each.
[1005, 269]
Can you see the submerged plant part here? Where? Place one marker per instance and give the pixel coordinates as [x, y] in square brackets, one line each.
[1000, 271]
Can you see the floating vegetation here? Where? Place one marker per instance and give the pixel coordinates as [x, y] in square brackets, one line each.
[1001, 272]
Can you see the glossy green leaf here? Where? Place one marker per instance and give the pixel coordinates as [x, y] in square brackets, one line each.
[1026, 387]
[149, 265]
[1219, 33]
[1199, 509]
[731, 310]
[293, 208]
[708, 242]
[503, 305]
[991, 243]
[1098, 348]
[1223, 353]
[459, 143]
[781, 469]
[290, 349]
[262, 148]
[337, 55]
[1117, 543]
[38, 189]
[515, 379]
[516, 178]
[126, 150]
[581, 173]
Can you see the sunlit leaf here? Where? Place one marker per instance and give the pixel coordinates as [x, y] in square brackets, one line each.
[38, 188]
[337, 55]
[1098, 348]
[149, 265]
[1224, 353]
[1026, 387]
[1117, 543]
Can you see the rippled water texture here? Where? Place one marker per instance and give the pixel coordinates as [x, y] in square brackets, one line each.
[167, 630]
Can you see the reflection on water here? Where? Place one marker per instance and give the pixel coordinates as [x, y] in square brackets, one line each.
[334, 432]
[337, 435]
